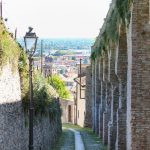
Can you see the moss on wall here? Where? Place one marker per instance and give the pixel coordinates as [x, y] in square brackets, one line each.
[9, 49]
[120, 15]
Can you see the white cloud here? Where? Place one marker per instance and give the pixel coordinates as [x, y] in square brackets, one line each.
[57, 18]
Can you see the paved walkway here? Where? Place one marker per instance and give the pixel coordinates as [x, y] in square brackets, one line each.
[78, 140]
[91, 143]
[66, 141]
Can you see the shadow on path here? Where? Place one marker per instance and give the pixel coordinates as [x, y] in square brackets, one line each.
[66, 141]
[77, 138]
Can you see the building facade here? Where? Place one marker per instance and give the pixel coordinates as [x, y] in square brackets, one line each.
[68, 115]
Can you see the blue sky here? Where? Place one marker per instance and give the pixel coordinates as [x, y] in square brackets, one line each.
[57, 18]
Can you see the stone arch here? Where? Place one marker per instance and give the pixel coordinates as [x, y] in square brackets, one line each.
[114, 88]
[101, 110]
[122, 65]
[115, 109]
[113, 56]
[98, 92]
[109, 56]
[122, 77]
[93, 95]
[105, 97]
[100, 70]
[106, 67]
[107, 113]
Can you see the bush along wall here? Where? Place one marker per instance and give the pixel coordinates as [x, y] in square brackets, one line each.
[47, 112]
[46, 104]
[14, 100]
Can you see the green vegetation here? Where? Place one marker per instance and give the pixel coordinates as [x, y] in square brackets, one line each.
[90, 139]
[9, 49]
[66, 141]
[123, 7]
[73, 58]
[120, 15]
[44, 94]
[59, 86]
[63, 52]
[13, 54]
[44, 98]
[24, 74]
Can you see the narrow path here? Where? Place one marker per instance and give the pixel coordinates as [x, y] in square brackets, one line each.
[66, 141]
[78, 140]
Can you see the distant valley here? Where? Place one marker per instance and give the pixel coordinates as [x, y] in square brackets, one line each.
[62, 44]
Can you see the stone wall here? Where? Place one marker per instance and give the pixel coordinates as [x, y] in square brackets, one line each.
[88, 98]
[124, 78]
[139, 112]
[13, 123]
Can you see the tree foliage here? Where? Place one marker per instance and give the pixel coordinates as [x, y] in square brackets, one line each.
[60, 86]
[44, 98]
[63, 52]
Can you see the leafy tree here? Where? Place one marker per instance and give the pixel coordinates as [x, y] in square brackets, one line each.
[63, 52]
[73, 58]
[59, 85]
[61, 71]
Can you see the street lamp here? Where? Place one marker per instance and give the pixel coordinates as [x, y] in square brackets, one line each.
[30, 40]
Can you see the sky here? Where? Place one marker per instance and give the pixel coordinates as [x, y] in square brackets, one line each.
[56, 18]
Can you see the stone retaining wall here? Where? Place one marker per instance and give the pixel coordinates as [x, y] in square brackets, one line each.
[14, 133]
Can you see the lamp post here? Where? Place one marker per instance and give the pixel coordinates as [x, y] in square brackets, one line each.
[30, 40]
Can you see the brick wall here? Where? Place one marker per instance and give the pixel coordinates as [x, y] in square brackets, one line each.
[124, 79]
[140, 83]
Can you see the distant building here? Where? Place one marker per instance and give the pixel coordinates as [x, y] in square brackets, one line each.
[83, 98]
[80, 100]
[68, 114]
[49, 59]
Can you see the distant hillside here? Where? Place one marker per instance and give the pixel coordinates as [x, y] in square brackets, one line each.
[63, 44]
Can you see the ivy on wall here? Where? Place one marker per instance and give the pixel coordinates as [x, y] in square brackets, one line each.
[9, 50]
[59, 86]
[119, 15]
